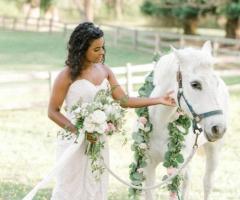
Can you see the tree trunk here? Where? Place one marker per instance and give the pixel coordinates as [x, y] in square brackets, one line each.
[35, 3]
[190, 25]
[52, 13]
[231, 28]
[34, 11]
[79, 7]
[118, 8]
[88, 10]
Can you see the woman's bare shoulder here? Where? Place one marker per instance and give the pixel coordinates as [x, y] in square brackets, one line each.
[107, 69]
[64, 76]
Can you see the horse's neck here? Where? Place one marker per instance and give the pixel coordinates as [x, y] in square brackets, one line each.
[165, 81]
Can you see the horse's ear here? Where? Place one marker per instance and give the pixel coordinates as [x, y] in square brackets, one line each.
[175, 52]
[207, 47]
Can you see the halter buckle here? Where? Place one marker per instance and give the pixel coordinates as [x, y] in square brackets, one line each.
[197, 118]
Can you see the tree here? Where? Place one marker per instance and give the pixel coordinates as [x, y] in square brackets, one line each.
[186, 11]
[232, 12]
[115, 7]
[50, 9]
[118, 4]
[88, 10]
[32, 8]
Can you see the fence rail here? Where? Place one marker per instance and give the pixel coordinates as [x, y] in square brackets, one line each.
[34, 24]
[146, 40]
[130, 78]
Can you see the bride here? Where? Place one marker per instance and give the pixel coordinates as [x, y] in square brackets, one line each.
[84, 75]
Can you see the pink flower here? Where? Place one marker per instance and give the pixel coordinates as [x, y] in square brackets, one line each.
[171, 170]
[110, 127]
[173, 196]
[142, 120]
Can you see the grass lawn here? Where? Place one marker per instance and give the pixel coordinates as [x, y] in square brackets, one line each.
[44, 51]
[27, 152]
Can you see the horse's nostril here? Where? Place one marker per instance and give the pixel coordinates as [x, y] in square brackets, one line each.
[215, 130]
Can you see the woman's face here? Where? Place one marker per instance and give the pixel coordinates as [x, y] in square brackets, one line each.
[96, 51]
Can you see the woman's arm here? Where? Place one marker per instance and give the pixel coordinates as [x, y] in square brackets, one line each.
[58, 94]
[135, 102]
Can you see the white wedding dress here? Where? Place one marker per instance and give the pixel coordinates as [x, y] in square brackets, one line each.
[74, 178]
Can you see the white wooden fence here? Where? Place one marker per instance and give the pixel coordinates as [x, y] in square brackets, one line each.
[130, 78]
[34, 24]
[152, 40]
[139, 39]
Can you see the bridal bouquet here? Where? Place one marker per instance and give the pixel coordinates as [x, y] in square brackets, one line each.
[103, 116]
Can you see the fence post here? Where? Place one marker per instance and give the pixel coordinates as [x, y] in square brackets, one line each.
[215, 48]
[38, 24]
[135, 39]
[14, 24]
[182, 41]
[26, 23]
[50, 25]
[129, 79]
[116, 36]
[65, 29]
[3, 22]
[157, 42]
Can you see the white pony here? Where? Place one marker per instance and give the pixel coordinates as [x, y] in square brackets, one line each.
[204, 91]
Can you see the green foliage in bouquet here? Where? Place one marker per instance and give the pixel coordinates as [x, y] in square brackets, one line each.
[104, 116]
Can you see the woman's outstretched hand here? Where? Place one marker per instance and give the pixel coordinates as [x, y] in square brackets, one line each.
[167, 99]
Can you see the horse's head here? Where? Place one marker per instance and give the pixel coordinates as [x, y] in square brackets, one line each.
[203, 93]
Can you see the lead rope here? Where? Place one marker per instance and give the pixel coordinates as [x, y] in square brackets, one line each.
[194, 149]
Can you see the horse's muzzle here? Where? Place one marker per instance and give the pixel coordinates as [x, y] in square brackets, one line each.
[216, 132]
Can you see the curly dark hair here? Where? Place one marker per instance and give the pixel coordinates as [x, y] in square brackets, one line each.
[79, 42]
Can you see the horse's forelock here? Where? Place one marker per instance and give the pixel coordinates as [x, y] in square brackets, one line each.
[189, 60]
[192, 59]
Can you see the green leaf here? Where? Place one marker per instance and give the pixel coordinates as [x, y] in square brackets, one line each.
[166, 164]
[143, 164]
[180, 158]
[167, 155]
[137, 137]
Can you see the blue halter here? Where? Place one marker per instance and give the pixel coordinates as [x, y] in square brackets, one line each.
[196, 117]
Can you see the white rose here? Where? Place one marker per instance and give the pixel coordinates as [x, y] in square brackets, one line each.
[84, 105]
[140, 170]
[101, 128]
[108, 109]
[147, 129]
[78, 110]
[142, 146]
[73, 119]
[98, 117]
[140, 126]
[88, 125]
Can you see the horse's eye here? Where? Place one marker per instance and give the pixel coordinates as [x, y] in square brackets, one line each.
[196, 85]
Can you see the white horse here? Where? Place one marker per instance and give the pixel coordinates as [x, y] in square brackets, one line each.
[206, 93]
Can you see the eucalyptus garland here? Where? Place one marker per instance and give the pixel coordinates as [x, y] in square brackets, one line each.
[141, 141]
[173, 157]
